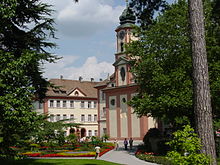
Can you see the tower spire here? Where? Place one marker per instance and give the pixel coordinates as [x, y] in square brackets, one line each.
[126, 3]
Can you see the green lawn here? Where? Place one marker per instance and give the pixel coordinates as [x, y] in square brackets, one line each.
[57, 162]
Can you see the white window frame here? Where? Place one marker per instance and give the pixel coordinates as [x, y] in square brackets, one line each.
[52, 118]
[71, 104]
[71, 116]
[96, 133]
[58, 104]
[51, 103]
[89, 118]
[95, 118]
[89, 104]
[57, 117]
[82, 104]
[90, 133]
[95, 104]
[64, 116]
[64, 104]
[82, 118]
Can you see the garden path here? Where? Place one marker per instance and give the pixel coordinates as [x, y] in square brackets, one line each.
[124, 157]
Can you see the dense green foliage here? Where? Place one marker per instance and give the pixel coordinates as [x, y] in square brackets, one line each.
[158, 159]
[163, 65]
[25, 28]
[16, 117]
[146, 9]
[52, 133]
[185, 146]
[105, 137]
[163, 68]
[154, 159]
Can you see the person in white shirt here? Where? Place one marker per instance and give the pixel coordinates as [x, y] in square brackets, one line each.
[97, 151]
[116, 144]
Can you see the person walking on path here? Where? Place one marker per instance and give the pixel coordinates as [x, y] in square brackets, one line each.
[126, 144]
[131, 143]
[97, 151]
[116, 144]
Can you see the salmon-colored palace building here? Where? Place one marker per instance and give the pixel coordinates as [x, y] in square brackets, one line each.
[115, 117]
[101, 106]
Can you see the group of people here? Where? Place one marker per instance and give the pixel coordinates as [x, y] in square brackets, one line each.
[130, 141]
[126, 142]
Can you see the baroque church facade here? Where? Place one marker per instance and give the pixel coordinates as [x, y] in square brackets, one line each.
[115, 117]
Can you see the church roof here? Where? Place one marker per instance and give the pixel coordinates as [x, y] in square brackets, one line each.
[64, 87]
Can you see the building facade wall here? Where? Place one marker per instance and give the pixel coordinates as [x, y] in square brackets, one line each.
[102, 128]
[101, 113]
[123, 116]
[121, 122]
[102, 105]
[136, 132]
[112, 116]
[82, 111]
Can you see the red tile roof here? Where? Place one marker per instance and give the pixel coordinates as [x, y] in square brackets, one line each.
[64, 87]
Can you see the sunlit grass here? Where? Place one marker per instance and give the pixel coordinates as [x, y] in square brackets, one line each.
[57, 162]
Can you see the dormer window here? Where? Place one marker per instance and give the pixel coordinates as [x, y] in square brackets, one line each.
[122, 73]
[56, 91]
[76, 93]
[63, 92]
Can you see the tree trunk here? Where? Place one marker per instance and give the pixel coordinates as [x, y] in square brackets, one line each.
[202, 100]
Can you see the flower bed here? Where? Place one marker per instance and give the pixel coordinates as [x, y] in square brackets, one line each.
[67, 153]
[88, 154]
[31, 154]
[152, 157]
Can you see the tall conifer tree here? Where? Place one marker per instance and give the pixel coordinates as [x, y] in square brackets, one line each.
[26, 26]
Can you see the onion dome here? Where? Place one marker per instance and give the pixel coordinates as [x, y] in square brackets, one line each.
[127, 16]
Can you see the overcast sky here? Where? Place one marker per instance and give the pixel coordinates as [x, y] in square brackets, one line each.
[86, 38]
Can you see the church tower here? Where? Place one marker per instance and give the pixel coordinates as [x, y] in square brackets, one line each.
[116, 118]
[124, 36]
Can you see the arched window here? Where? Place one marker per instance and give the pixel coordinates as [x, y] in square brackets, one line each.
[113, 102]
[122, 72]
[124, 100]
[83, 132]
[122, 47]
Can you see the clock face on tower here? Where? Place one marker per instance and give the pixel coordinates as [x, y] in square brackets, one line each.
[121, 34]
